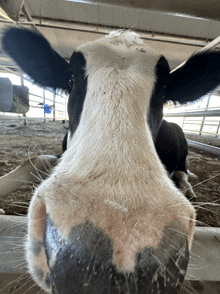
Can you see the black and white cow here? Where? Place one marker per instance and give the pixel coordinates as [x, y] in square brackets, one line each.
[172, 148]
[109, 219]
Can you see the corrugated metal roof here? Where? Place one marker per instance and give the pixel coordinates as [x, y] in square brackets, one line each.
[199, 8]
[125, 17]
[58, 21]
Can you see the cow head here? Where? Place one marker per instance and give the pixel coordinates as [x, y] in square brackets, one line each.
[108, 219]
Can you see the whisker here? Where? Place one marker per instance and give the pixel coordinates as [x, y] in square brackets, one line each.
[19, 279]
[158, 260]
[12, 243]
[13, 225]
[39, 178]
[26, 283]
[20, 206]
[41, 291]
[11, 261]
[203, 182]
[38, 171]
[21, 202]
[25, 182]
[206, 209]
[23, 263]
[14, 237]
[203, 224]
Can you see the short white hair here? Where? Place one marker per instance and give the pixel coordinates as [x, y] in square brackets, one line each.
[126, 34]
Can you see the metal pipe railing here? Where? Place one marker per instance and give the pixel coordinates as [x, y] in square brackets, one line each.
[204, 147]
[42, 98]
[204, 257]
[202, 123]
[193, 113]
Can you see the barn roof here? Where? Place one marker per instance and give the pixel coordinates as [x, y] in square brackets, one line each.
[175, 28]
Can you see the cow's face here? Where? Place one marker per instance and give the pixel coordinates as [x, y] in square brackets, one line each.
[108, 219]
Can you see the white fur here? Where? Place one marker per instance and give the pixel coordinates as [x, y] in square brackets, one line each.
[111, 165]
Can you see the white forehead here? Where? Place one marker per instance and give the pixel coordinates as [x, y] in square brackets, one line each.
[129, 36]
[126, 39]
[120, 50]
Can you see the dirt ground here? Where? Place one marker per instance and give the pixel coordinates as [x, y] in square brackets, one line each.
[207, 188]
[18, 142]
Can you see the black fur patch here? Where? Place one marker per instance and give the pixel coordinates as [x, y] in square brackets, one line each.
[64, 143]
[78, 93]
[172, 147]
[199, 76]
[155, 114]
[37, 58]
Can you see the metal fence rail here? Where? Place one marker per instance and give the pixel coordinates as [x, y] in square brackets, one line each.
[194, 113]
[56, 101]
[204, 121]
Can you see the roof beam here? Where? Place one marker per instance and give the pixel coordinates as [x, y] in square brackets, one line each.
[115, 16]
[12, 8]
[27, 14]
[198, 8]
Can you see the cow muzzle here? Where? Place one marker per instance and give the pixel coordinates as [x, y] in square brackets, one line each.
[83, 263]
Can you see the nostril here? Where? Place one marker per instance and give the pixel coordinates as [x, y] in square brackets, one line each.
[79, 261]
[162, 270]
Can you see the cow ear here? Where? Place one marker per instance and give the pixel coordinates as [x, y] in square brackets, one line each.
[36, 57]
[197, 77]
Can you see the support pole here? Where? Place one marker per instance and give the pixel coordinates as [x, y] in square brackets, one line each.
[216, 135]
[54, 103]
[203, 119]
[24, 114]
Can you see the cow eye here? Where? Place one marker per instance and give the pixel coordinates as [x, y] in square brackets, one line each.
[71, 81]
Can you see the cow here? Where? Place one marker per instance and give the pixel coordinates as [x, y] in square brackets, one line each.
[172, 149]
[109, 219]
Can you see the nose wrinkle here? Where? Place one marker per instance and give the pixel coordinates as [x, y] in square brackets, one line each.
[83, 263]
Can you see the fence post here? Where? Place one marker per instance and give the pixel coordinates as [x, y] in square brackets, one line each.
[24, 114]
[65, 110]
[203, 119]
[54, 110]
[183, 122]
[216, 135]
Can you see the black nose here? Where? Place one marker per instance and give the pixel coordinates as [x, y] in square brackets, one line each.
[83, 264]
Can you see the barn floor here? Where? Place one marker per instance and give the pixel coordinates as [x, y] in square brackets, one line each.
[18, 142]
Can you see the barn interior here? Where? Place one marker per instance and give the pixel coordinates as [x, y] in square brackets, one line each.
[176, 29]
